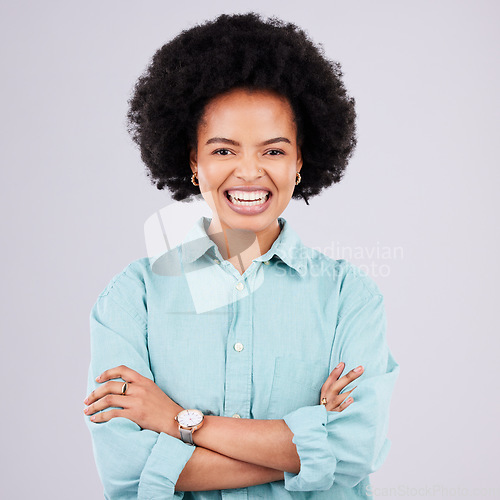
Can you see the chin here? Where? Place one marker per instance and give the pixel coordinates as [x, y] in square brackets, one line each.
[255, 223]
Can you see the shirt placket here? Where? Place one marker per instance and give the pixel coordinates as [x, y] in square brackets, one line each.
[239, 360]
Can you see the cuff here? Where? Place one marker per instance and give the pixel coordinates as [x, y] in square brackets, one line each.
[163, 467]
[317, 462]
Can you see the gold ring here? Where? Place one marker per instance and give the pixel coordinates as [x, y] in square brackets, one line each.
[124, 388]
[323, 401]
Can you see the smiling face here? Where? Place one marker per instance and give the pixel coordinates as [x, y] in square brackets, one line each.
[247, 147]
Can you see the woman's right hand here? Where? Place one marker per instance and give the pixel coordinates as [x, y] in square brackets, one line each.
[333, 385]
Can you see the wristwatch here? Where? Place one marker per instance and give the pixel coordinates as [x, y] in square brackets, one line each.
[189, 421]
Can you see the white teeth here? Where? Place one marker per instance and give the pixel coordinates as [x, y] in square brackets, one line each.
[248, 198]
[247, 195]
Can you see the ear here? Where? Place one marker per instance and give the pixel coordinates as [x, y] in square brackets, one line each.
[193, 160]
[299, 159]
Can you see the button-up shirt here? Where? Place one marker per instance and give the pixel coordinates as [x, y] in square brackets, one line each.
[255, 345]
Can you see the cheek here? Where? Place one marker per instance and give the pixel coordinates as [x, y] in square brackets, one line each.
[211, 179]
[286, 182]
[211, 176]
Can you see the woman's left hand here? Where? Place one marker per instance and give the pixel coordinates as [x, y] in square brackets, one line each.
[144, 402]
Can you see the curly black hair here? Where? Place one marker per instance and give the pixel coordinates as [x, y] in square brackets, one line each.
[245, 51]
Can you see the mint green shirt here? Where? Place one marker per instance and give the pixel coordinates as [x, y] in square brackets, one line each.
[258, 345]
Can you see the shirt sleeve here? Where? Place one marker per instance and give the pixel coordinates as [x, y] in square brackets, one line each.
[131, 462]
[347, 446]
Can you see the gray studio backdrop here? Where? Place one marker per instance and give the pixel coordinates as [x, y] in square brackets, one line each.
[418, 207]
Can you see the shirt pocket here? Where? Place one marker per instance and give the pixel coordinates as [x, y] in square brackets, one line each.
[296, 383]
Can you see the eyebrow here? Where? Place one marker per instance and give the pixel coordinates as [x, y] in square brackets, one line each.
[235, 143]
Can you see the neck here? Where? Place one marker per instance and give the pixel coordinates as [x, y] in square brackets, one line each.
[241, 246]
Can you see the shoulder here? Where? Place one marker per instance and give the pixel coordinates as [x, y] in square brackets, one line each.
[345, 274]
[348, 282]
[133, 276]
[357, 291]
[127, 291]
[354, 279]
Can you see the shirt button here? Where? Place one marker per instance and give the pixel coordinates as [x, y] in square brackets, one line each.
[217, 261]
[266, 262]
[236, 416]
[238, 347]
[240, 286]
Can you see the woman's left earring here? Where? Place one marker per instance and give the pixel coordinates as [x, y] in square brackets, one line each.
[193, 178]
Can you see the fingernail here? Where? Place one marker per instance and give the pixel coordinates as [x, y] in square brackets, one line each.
[86, 410]
[339, 365]
[92, 417]
[358, 369]
[86, 401]
[98, 378]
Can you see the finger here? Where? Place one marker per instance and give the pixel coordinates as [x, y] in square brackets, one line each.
[106, 402]
[334, 400]
[122, 371]
[107, 388]
[341, 397]
[347, 379]
[105, 416]
[334, 375]
[345, 404]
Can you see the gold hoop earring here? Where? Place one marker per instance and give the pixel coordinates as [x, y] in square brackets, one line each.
[192, 180]
[298, 178]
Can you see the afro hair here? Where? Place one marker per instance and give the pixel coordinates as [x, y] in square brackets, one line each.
[241, 50]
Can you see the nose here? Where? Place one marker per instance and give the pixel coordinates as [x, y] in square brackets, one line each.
[249, 169]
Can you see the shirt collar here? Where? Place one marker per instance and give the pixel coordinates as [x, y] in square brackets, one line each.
[287, 246]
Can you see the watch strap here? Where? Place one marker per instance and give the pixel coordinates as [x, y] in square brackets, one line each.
[187, 435]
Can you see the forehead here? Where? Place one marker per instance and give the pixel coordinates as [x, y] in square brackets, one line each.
[243, 106]
[248, 93]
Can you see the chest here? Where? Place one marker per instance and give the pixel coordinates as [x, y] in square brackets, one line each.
[260, 355]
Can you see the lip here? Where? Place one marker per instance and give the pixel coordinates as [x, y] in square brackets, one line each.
[252, 210]
[248, 188]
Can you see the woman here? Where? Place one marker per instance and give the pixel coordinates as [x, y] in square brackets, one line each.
[219, 365]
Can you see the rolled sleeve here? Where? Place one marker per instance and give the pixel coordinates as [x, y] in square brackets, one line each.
[347, 446]
[131, 462]
[317, 461]
[163, 467]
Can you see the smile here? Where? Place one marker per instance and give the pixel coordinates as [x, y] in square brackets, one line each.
[247, 198]
[248, 202]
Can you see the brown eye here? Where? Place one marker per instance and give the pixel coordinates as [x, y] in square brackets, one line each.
[219, 150]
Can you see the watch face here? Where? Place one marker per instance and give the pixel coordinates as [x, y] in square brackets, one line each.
[190, 418]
